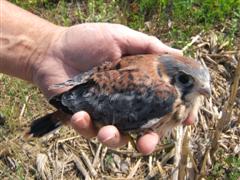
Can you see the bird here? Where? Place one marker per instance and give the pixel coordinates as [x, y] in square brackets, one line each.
[137, 94]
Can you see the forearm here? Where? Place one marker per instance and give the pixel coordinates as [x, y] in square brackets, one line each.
[24, 38]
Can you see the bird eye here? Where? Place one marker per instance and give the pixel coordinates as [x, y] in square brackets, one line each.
[184, 79]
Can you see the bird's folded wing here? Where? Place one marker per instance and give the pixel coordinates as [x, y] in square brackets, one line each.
[84, 77]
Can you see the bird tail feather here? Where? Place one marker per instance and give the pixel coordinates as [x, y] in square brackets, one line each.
[46, 124]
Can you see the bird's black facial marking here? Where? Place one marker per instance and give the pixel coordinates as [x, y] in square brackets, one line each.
[184, 80]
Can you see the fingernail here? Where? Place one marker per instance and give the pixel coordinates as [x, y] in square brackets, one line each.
[109, 138]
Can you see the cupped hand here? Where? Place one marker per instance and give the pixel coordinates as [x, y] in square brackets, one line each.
[79, 48]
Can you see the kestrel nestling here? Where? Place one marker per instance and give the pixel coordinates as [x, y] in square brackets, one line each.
[136, 94]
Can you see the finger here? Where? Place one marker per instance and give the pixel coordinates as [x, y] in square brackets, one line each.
[82, 123]
[155, 46]
[111, 137]
[147, 143]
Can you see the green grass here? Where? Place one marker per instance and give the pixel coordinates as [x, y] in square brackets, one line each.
[229, 168]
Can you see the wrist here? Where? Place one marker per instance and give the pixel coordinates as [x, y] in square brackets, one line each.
[20, 53]
[42, 51]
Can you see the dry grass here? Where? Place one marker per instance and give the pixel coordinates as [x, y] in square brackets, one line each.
[200, 151]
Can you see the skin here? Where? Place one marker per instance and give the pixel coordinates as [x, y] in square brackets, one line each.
[46, 54]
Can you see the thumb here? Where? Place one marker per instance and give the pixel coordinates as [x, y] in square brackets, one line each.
[155, 46]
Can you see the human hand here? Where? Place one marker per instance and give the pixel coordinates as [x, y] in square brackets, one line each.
[79, 48]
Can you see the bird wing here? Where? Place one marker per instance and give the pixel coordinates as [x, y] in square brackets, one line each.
[85, 76]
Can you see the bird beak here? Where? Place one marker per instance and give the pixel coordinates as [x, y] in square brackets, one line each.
[205, 91]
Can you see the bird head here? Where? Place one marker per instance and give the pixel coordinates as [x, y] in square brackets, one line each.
[190, 78]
